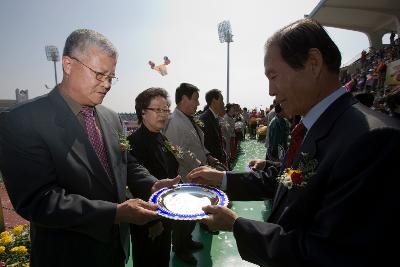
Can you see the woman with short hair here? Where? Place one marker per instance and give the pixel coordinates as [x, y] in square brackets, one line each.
[152, 242]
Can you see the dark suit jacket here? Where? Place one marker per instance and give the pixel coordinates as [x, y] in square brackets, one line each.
[212, 135]
[149, 149]
[347, 213]
[55, 181]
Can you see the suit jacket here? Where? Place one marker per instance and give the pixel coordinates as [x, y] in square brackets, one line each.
[149, 149]
[181, 132]
[347, 213]
[55, 181]
[212, 135]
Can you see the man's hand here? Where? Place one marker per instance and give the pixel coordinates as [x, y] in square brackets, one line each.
[135, 211]
[219, 218]
[257, 164]
[205, 175]
[165, 183]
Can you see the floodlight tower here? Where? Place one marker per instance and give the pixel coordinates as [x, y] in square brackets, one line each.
[225, 36]
[53, 55]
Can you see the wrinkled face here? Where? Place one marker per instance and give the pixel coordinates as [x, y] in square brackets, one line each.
[84, 87]
[293, 88]
[156, 114]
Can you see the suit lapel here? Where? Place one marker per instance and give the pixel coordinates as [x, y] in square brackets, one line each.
[111, 142]
[188, 124]
[317, 132]
[75, 138]
[161, 141]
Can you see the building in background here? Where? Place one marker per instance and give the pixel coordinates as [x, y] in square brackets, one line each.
[129, 122]
[20, 96]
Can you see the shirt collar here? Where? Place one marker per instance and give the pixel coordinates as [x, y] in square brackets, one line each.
[73, 105]
[313, 114]
[215, 114]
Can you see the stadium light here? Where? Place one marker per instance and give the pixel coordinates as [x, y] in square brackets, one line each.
[52, 55]
[225, 36]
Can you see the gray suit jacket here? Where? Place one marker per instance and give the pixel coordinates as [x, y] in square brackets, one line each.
[55, 181]
[180, 132]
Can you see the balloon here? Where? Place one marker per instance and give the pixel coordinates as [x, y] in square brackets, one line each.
[162, 69]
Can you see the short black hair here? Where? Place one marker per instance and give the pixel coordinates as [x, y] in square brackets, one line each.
[186, 89]
[143, 100]
[228, 107]
[295, 40]
[212, 94]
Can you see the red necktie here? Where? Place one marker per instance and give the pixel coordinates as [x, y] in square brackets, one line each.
[95, 138]
[296, 140]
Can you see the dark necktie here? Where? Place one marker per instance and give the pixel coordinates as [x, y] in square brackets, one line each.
[296, 140]
[95, 138]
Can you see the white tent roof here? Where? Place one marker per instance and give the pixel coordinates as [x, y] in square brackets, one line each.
[372, 17]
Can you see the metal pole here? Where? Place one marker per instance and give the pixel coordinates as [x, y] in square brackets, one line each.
[55, 71]
[227, 78]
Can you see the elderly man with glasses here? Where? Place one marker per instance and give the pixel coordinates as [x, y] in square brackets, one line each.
[65, 169]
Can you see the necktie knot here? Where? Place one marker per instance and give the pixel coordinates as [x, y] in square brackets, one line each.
[299, 131]
[296, 140]
[87, 112]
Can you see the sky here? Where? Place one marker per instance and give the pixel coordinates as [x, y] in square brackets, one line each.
[183, 30]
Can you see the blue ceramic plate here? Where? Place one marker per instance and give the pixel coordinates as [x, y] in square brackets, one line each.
[184, 201]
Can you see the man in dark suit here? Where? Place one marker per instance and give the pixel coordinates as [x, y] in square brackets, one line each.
[66, 170]
[212, 130]
[337, 204]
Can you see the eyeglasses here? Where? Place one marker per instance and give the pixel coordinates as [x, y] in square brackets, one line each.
[159, 110]
[99, 76]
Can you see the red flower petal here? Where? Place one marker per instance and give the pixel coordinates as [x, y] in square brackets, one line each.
[297, 178]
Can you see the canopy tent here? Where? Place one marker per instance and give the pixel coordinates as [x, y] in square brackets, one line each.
[372, 17]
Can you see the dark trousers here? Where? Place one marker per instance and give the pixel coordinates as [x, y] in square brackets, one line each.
[147, 252]
[182, 234]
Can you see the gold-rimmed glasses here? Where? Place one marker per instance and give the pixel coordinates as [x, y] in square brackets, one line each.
[99, 76]
[160, 110]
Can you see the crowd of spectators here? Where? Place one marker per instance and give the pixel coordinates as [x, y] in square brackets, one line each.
[366, 78]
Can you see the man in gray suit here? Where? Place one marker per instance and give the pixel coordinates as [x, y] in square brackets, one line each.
[65, 169]
[183, 131]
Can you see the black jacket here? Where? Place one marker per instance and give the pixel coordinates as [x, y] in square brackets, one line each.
[213, 136]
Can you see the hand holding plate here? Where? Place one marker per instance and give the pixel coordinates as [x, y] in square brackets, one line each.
[205, 175]
[165, 183]
[219, 218]
[135, 211]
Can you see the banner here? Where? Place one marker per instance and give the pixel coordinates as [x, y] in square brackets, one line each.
[393, 73]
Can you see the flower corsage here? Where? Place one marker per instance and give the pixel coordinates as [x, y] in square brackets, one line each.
[123, 142]
[299, 177]
[199, 123]
[176, 150]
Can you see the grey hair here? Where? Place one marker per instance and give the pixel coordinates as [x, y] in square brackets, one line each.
[80, 41]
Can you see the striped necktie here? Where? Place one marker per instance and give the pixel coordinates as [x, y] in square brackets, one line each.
[96, 138]
[296, 140]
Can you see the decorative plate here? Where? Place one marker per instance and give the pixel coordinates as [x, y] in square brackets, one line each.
[184, 201]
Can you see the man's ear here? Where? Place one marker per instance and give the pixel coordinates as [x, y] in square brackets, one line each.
[315, 61]
[66, 63]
